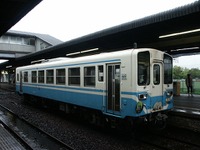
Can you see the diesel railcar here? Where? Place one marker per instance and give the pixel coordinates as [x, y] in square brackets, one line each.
[134, 83]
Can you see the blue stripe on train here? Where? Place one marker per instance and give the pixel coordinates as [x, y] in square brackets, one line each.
[82, 99]
[89, 100]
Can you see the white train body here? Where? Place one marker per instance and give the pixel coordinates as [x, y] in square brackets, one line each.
[129, 83]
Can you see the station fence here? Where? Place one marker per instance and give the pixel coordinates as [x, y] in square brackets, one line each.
[183, 87]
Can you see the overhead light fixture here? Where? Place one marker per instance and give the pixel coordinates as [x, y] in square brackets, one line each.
[9, 66]
[90, 50]
[183, 49]
[75, 53]
[84, 51]
[38, 61]
[179, 33]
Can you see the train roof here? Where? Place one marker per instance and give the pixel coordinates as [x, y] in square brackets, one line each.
[101, 56]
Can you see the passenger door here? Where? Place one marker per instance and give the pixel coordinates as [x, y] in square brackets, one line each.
[113, 88]
[157, 86]
[20, 82]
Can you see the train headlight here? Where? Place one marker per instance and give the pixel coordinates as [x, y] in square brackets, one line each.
[139, 107]
[169, 96]
[169, 93]
[142, 97]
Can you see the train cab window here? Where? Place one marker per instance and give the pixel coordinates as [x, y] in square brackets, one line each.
[143, 68]
[60, 76]
[34, 76]
[74, 76]
[50, 76]
[41, 76]
[156, 74]
[26, 76]
[89, 76]
[168, 66]
[100, 73]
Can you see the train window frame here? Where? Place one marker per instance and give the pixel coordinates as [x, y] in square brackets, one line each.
[61, 76]
[50, 76]
[90, 76]
[143, 71]
[25, 76]
[74, 76]
[41, 76]
[101, 73]
[34, 76]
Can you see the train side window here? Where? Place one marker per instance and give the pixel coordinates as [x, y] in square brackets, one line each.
[26, 76]
[50, 76]
[41, 76]
[60, 76]
[156, 74]
[100, 73]
[34, 76]
[74, 76]
[89, 76]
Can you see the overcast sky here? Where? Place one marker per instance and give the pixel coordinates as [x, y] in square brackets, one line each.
[69, 19]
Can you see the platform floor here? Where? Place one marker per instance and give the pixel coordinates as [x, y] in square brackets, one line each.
[7, 141]
[187, 104]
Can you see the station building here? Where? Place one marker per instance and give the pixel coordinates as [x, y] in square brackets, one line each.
[14, 44]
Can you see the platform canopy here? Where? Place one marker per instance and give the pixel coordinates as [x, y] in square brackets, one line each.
[11, 11]
[176, 31]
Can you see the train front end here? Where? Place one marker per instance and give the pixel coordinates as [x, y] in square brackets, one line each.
[154, 85]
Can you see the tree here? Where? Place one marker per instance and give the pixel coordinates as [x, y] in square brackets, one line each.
[195, 72]
[181, 73]
[178, 72]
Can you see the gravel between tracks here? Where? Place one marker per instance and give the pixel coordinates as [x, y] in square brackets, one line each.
[78, 136]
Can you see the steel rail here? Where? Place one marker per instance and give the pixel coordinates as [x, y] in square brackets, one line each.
[38, 130]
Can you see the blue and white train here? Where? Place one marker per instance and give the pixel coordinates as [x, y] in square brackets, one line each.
[134, 83]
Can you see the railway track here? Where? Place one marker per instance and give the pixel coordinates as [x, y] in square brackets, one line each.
[182, 132]
[28, 134]
[185, 121]
[170, 138]
[173, 137]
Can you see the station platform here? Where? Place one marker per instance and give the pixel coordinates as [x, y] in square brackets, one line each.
[187, 104]
[7, 141]
[7, 86]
